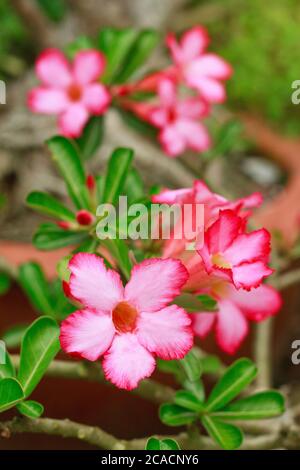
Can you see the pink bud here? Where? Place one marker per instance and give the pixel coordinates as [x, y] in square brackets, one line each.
[90, 182]
[84, 217]
[64, 225]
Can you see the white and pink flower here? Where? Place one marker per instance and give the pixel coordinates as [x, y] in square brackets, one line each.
[235, 309]
[127, 326]
[71, 91]
[198, 69]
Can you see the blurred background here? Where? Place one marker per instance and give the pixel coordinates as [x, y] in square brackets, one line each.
[257, 147]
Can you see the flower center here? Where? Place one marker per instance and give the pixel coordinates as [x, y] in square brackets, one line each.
[124, 317]
[219, 260]
[74, 92]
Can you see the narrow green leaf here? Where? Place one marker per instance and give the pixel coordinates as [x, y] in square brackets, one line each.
[11, 393]
[161, 444]
[4, 283]
[30, 408]
[188, 400]
[197, 388]
[174, 415]
[117, 170]
[6, 366]
[262, 405]
[191, 364]
[34, 284]
[120, 251]
[48, 205]
[91, 138]
[138, 53]
[138, 124]
[208, 302]
[79, 44]
[68, 162]
[13, 336]
[115, 44]
[194, 304]
[211, 364]
[50, 236]
[229, 437]
[235, 379]
[55, 10]
[39, 346]
[134, 186]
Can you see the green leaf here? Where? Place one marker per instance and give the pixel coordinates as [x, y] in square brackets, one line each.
[34, 284]
[194, 304]
[62, 268]
[191, 364]
[48, 205]
[161, 444]
[138, 124]
[81, 43]
[188, 400]
[13, 336]
[262, 405]
[174, 415]
[134, 186]
[39, 346]
[31, 409]
[229, 437]
[6, 366]
[235, 379]
[11, 393]
[115, 44]
[197, 388]
[91, 138]
[211, 364]
[55, 10]
[50, 236]
[119, 250]
[117, 170]
[4, 283]
[68, 162]
[138, 53]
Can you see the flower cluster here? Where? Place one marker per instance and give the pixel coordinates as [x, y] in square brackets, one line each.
[230, 265]
[179, 97]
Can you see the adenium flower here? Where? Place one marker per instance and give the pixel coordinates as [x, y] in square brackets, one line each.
[177, 119]
[235, 309]
[127, 326]
[72, 91]
[200, 70]
[240, 256]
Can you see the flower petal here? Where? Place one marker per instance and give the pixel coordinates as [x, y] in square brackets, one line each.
[193, 108]
[211, 89]
[127, 362]
[248, 275]
[231, 327]
[258, 304]
[203, 323]
[154, 283]
[172, 141]
[73, 120]
[211, 65]
[194, 42]
[53, 69]
[223, 231]
[167, 93]
[166, 333]
[47, 100]
[93, 284]
[87, 334]
[172, 196]
[248, 247]
[194, 134]
[88, 66]
[96, 98]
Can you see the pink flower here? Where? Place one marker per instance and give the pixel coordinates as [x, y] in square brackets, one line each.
[239, 256]
[179, 121]
[73, 92]
[235, 309]
[127, 326]
[200, 70]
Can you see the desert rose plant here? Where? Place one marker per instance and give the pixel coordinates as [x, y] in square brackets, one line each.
[122, 305]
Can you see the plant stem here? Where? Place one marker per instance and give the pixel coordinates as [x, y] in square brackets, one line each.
[148, 388]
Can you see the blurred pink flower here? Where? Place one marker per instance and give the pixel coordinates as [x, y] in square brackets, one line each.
[72, 91]
[128, 326]
[198, 69]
